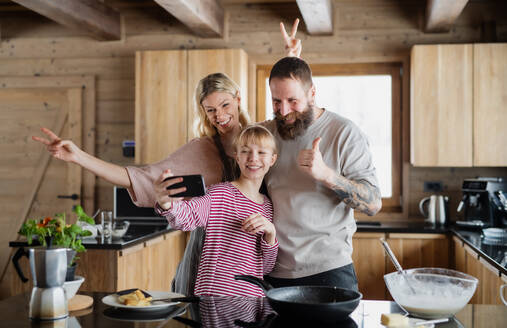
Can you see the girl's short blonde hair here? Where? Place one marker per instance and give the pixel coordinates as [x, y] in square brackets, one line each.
[258, 135]
[216, 82]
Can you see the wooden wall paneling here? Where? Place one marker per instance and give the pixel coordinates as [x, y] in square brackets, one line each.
[490, 103]
[75, 117]
[474, 268]
[111, 68]
[87, 83]
[233, 62]
[441, 105]
[161, 104]
[26, 109]
[369, 263]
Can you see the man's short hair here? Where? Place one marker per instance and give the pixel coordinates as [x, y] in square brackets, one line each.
[293, 68]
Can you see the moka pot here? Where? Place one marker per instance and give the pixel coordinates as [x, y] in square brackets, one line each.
[48, 300]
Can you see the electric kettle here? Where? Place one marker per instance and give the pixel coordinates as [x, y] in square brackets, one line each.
[436, 210]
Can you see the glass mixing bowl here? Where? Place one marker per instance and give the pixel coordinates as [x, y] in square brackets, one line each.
[431, 292]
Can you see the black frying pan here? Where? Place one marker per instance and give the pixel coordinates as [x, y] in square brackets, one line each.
[327, 304]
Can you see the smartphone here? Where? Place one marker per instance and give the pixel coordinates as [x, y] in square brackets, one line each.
[194, 183]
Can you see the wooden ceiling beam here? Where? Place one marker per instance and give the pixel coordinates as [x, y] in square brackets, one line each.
[205, 18]
[92, 16]
[441, 14]
[318, 16]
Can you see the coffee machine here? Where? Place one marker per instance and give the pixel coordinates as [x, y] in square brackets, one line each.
[484, 202]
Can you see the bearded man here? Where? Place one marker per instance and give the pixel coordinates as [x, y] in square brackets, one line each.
[324, 171]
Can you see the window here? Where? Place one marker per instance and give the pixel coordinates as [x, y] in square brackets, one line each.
[370, 96]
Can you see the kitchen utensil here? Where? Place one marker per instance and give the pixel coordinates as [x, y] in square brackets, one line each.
[395, 261]
[437, 208]
[321, 303]
[48, 300]
[438, 292]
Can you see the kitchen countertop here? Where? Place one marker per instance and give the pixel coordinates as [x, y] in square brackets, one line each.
[137, 233]
[494, 253]
[232, 312]
[142, 231]
[400, 227]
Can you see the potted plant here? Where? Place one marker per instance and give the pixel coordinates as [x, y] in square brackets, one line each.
[56, 232]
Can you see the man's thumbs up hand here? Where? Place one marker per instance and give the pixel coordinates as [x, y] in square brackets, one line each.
[311, 162]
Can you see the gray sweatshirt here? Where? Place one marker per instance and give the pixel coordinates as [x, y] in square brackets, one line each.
[314, 227]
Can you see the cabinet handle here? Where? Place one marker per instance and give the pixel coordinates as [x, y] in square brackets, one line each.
[73, 196]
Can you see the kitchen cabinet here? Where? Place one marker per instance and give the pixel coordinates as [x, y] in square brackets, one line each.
[457, 102]
[370, 264]
[165, 85]
[150, 265]
[490, 279]
[418, 250]
[412, 250]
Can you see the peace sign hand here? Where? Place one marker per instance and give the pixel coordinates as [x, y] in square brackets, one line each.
[292, 45]
[64, 150]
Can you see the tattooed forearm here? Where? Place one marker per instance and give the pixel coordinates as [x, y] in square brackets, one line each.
[360, 195]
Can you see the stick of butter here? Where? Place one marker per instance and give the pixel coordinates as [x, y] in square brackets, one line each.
[394, 320]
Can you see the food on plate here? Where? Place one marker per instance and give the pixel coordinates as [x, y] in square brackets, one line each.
[136, 298]
[394, 320]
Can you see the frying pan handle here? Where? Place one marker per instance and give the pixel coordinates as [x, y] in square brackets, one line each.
[254, 280]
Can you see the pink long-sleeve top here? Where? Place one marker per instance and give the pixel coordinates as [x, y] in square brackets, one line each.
[227, 250]
[199, 156]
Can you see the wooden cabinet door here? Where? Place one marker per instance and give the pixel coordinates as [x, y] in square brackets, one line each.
[441, 105]
[419, 250]
[459, 255]
[161, 113]
[473, 267]
[369, 263]
[233, 62]
[31, 179]
[490, 104]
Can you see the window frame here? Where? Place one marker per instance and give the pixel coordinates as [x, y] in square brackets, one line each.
[393, 203]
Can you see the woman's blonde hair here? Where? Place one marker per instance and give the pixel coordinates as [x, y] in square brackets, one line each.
[216, 82]
[258, 135]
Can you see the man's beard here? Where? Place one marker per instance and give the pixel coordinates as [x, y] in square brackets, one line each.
[291, 131]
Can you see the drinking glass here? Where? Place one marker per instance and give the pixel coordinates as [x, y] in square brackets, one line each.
[106, 220]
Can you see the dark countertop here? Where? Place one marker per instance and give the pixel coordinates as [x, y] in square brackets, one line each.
[137, 233]
[494, 253]
[232, 312]
[400, 227]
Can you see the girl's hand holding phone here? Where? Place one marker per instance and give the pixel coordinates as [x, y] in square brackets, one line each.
[164, 195]
[256, 223]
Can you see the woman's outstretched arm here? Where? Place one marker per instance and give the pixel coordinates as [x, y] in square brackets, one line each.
[67, 151]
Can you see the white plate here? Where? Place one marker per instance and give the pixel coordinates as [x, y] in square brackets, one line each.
[112, 300]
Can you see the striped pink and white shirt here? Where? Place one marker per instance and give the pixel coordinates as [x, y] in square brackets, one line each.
[227, 250]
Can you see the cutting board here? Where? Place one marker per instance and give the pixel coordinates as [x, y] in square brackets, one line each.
[80, 302]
